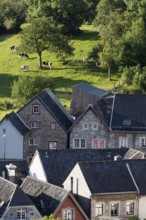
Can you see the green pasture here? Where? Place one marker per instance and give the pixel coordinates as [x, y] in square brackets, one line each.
[63, 74]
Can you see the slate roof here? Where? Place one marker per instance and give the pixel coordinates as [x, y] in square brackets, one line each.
[45, 196]
[58, 164]
[90, 89]
[17, 122]
[11, 195]
[129, 107]
[115, 177]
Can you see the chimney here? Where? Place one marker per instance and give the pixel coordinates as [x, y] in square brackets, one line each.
[11, 168]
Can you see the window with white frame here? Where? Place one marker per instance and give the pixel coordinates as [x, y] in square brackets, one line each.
[85, 126]
[35, 109]
[94, 126]
[53, 145]
[99, 209]
[21, 214]
[79, 143]
[142, 141]
[98, 143]
[114, 209]
[129, 208]
[53, 125]
[123, 142]
[33, 141]
[68, 214]
[35, 124]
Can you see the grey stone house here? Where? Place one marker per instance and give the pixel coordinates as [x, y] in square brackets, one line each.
[48, 121]
[112, 122]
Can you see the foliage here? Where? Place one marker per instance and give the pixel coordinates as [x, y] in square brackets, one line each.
[39, 36]
[51, 217]
[133, 79]
[133, 218]
[12, 14]
[26, 87]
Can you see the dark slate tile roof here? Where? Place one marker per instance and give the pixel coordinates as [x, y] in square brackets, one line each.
[107, 177]
[11, 195]
[17, 122]
[59, 163]
[22, 166]
[45, 196]
[129, 107]
[90, 89]
[115, 176]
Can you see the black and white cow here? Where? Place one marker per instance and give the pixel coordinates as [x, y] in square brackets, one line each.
[24, 67]
[14, 48]
[47, 64]
[22, 54]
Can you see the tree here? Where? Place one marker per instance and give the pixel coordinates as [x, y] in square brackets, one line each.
[40, 35]
[51, 217]
[12, 14]
[26, 87]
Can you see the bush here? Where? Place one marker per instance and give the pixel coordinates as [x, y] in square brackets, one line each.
[133, 218]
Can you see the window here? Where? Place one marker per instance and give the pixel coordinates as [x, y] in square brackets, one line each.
[21, 214]
[35, 124]
[94, 126]
[114, 209]
[35, 109]
[98, 209]
[130, 208]
[4, 131]
[142, 141]
[123, 142]
[53, 125]
[85, 126]
[79, 143]
[53, 145]
[98, 143]
[68, 214]
[33, 141]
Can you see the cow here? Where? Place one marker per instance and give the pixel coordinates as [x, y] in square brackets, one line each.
[47, 64]
[85, 60]
[24, 67]
[22, 54]
[14, 48]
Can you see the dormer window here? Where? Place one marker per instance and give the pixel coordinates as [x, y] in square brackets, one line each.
[36, 109]
[127, 122]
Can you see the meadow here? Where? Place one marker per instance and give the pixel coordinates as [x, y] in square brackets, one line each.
[63, 74]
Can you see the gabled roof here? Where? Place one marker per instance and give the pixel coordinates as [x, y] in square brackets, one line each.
[45, 196]
[11, 195]
[55, 108]
[57, 164]
[90, 89]
[124, 176]
[129, 112]
[17, 122]
[96, 111]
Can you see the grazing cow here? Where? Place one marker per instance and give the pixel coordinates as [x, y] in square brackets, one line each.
[24, 67]
[22, 54]
[14, 48]
[85, 60]
[47, 64]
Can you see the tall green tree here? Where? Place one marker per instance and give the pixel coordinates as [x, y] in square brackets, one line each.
[40, 35]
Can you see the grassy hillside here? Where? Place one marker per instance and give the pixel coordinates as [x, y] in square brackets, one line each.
[64, 76]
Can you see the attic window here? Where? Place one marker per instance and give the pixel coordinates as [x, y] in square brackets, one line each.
[35, 109]
[127, 121]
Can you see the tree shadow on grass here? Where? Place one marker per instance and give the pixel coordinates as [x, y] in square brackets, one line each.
[6, 81]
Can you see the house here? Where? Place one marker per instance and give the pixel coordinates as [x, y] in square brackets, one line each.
[14, 203]
[113, 121]
[84, 94]
[42, 123]
[54, 166]
[109, 190]
[12, 132]
[50, 199]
